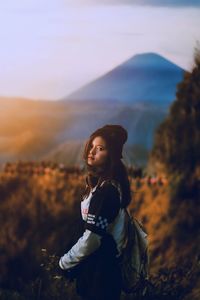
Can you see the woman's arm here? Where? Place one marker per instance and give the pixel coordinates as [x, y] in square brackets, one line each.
[86, 245]
[104, 207]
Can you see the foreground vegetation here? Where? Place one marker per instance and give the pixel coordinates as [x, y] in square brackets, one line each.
[41, 220]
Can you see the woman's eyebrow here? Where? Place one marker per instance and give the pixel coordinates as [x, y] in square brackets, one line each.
[99, 145]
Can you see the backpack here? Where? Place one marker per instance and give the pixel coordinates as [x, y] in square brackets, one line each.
[135, 258]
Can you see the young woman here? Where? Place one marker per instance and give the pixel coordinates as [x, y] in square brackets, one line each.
[96, 255]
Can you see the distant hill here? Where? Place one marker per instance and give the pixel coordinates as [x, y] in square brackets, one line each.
[145, 77]
[136, 94]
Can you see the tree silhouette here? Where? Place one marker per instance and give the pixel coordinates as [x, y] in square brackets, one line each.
[177, 140]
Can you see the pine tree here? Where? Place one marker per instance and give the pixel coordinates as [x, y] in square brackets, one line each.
[177, 140]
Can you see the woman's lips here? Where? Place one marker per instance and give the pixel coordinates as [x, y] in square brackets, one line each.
[90, 157]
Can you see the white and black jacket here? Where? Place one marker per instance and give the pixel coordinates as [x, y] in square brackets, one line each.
[102, 214]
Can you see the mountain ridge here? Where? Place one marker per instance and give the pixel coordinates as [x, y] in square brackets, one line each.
[156, 74]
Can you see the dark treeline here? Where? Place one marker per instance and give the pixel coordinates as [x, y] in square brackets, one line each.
[177, 148]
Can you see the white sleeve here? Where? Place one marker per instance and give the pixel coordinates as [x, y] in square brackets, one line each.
[86, 245]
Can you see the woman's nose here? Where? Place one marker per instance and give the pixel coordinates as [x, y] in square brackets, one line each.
[92, 150]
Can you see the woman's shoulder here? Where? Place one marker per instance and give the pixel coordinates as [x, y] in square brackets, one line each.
[111, 186]
[106, 199]
[111, 183]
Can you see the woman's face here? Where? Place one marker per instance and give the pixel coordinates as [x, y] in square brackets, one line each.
[98, 152]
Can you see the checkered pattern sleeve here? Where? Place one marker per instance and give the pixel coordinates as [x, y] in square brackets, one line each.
[104, 207]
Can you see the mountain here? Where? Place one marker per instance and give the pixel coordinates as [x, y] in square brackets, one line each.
[148, 78]
[136, 94]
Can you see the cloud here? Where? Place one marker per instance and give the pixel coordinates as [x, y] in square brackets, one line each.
[166, 3]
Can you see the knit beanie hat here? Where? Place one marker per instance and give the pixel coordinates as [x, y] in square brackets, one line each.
[115, 137]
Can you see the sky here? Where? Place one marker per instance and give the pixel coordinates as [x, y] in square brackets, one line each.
[50, 48]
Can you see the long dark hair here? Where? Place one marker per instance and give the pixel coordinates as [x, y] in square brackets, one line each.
[112, 169]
